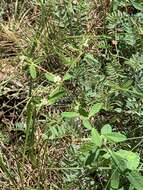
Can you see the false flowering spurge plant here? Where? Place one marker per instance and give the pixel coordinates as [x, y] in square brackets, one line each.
[103, 152]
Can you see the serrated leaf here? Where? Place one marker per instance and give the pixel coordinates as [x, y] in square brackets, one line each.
[132, 159]
[136, 180]
[87, 124]
[32, 71]
[106, 129]
[70, 114]
[115, 137]
[95, 109]
[96, 138]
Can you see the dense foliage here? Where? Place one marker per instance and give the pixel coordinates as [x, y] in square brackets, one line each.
[71, 94]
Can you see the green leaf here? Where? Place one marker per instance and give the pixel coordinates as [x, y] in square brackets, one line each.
[83, 112]
[70, 7]
[90, 158]
[106, 155]
[90, 58]
[131, 187]
[52, 78]
[136, 180]
[55, 97]
[70, 114]
[69, 61]
[95, 109]
[115, 180]
[130, 39]
[115, 137]
[87, 124]
[137, 6]
[119, 161]
[96, 138]
[67, 77]
[127, 84]
[106, 129]
[55, 91]
[87, 147]
[132, 159]
[32, 71]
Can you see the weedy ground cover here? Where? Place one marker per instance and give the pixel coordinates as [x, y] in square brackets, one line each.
[71, 95]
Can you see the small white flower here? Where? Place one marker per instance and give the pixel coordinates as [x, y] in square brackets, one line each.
[57, 79]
